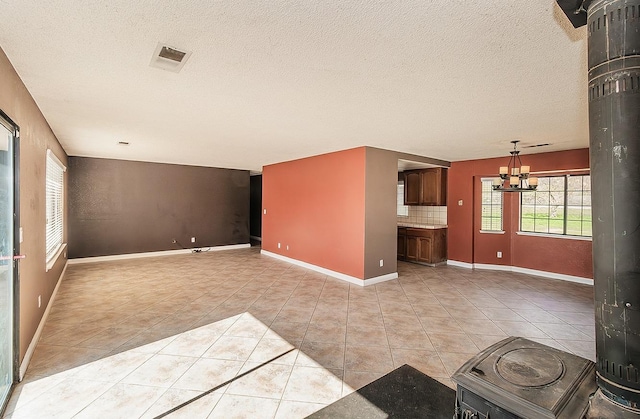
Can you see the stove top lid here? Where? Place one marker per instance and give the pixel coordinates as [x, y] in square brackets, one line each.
[530, 367]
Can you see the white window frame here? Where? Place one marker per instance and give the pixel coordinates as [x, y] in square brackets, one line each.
[565, 206]
[54, 209]
[490, 182]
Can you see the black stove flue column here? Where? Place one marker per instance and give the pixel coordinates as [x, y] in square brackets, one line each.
[613, 28]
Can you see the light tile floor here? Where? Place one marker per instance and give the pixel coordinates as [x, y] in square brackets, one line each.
[137, 338]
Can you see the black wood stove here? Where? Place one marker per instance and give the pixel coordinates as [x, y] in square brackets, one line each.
[517, 377]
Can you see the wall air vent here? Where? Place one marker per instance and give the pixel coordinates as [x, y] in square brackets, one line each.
[169, 58]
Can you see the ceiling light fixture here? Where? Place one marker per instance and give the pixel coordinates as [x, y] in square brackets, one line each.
[514, 177]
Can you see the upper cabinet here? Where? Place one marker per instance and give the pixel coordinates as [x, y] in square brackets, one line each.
[412, 188]
[425, 187]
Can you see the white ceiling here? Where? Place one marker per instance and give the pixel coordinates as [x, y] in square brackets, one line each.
[275, 80]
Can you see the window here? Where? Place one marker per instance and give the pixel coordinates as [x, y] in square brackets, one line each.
[560, 205]
[491, 215]
[54, 203]
[402, 209]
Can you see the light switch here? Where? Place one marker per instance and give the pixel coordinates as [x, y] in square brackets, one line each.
[264, 211]
[460, 203]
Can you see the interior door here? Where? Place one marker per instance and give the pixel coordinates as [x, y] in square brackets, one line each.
[7, 264]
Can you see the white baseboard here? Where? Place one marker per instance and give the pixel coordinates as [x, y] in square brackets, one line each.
[334, 274]
[36, 337]
[381, 278]
[256, 238]
[505, 268]
[553, 275]
[545, 274]
[460, 264]
[155, 254]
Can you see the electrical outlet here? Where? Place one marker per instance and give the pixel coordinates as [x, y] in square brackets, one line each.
[278, 245]
[499, 255]
[381, 263]
[264, 211]
[193, 239]
[460, 202]
[287, 247]
[39, 301]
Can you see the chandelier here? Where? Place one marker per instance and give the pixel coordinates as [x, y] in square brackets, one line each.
[515, 177]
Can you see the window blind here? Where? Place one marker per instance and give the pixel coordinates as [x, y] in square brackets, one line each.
[54, 202]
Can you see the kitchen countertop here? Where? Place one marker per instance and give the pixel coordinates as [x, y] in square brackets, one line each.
[425, 226]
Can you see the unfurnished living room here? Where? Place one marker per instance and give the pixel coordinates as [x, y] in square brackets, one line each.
[290, 209]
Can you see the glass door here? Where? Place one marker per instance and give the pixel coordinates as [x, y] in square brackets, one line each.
[6, 259]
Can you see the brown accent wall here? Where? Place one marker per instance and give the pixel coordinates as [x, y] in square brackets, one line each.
[120, 207]
[35, 138]
[380, 212]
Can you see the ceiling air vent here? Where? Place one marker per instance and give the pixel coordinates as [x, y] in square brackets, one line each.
[169, 58]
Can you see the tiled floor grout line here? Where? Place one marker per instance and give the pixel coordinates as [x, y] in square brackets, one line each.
[301, 343]
[92, 401]
[346, 331]
[435, 349]
[200, 357]
[384, 324]
[418, 317]
[170, 387]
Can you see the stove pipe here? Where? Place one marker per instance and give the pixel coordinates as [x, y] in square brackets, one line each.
[613, 28]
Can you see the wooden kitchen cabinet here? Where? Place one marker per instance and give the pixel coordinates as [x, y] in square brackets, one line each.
[402, 243]
[426, 187]
[425, 249]
[412, 188]
[428, 246]
[434, 187]
[411, 252]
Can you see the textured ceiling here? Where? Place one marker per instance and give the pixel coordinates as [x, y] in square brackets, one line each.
[271, 81]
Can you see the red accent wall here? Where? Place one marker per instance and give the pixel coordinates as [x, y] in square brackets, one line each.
[466, 244]
[316, 206]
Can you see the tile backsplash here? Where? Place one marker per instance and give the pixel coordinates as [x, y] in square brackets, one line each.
[425, 215]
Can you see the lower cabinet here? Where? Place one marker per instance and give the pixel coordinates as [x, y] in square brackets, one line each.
[402, 243]
[412, 249]
[425, 250]
[419, 245]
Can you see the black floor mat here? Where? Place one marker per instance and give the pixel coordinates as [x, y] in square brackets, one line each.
[403, 393]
